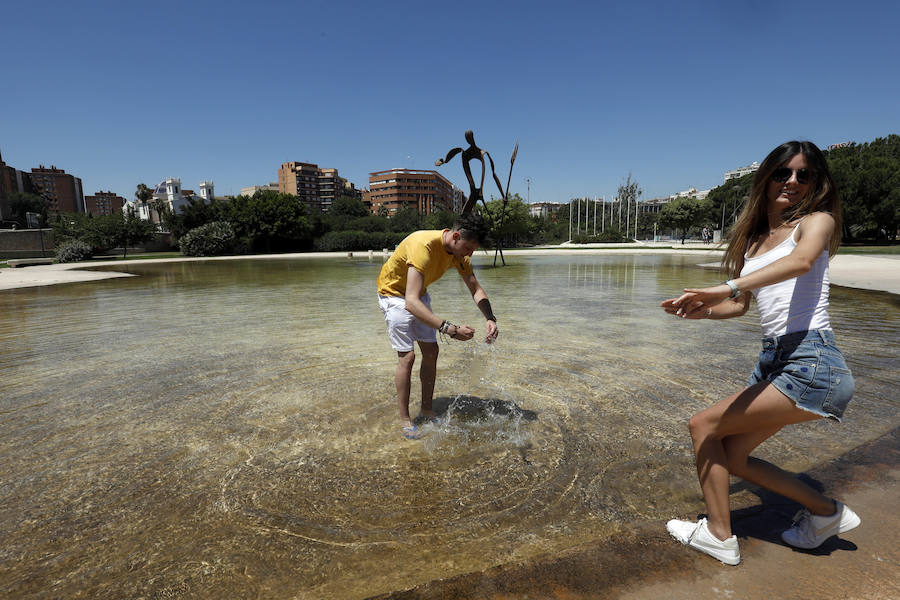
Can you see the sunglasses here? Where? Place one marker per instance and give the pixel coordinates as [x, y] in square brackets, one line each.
[782, 174]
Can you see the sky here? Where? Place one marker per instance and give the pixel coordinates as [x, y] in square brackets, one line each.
[673, 93]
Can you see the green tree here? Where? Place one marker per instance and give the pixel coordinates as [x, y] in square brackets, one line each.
[344, 211]
[270, 221]
[406, 220]
[21, 204]
[868, 179]
[369, 223]
[515, 222]
[196, 213]
[143, 195]
[163, 213]
[103, 232]
[726, 201]
[131, 229]
[440, 219]
[628, 195]
[70, 226]
[682, 213]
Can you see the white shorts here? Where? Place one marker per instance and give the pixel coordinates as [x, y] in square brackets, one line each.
[404, 330]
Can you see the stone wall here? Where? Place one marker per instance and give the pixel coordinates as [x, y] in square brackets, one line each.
[25, 243]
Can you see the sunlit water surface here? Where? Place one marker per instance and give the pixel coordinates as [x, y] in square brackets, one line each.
[228, 429]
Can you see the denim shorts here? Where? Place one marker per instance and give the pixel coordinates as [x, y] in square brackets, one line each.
[808, 368]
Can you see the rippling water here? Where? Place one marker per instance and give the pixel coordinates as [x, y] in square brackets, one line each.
[228, 429]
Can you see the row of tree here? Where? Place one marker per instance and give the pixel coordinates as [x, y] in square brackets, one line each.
[102, 233]
[867, 177]
[273, 222]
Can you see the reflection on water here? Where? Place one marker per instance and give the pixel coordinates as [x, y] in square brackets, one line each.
[229, 429]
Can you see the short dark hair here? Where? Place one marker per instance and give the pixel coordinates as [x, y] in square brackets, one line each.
[472, 226]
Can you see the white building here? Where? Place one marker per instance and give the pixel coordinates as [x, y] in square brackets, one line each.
[543, 209]
[653, 205]
[171, 193]
[740, 172]
[691, 193]
[252, 189]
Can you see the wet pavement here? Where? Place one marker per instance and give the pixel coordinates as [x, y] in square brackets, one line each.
[645, 563]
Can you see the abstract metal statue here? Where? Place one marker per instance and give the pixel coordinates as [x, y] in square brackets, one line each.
[473, 152]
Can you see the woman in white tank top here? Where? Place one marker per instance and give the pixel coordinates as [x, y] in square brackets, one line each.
[778, 252]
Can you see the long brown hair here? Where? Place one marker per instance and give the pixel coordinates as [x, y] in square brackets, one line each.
[821, 197]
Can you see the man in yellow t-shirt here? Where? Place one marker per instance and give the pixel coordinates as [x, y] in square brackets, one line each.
[420, 260]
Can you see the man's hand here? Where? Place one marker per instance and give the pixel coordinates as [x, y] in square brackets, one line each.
[463, 333]
[492, 332]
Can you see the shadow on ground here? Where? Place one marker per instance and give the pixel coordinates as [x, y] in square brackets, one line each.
[473, 408]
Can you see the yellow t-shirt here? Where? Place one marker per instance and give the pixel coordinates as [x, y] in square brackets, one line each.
[424, 251]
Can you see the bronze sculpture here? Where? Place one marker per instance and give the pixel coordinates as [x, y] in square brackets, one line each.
[473, 152]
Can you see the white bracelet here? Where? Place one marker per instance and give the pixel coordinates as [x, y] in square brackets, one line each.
[735, 291]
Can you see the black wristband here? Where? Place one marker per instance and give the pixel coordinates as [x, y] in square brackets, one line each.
[491, 318]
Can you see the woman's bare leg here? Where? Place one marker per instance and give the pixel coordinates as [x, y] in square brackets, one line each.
[760, 410]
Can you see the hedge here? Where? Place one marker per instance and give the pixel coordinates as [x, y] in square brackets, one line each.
[336, 241]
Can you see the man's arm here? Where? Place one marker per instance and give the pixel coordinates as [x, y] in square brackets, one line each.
[484, 305]
[414, 284]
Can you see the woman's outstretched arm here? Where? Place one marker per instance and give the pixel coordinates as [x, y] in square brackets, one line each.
[815, 232]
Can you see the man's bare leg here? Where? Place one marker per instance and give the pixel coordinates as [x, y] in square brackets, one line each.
[427, 374]
[402, 377]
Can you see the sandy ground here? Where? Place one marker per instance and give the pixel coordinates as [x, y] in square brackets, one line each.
[848, 270]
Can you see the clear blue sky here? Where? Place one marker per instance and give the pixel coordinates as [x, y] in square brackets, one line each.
[676, 93]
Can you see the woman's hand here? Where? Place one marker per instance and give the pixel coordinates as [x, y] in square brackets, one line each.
[695, 303]
[669, 307]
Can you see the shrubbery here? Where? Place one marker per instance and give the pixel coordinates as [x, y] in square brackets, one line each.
[212, 239]
[610, 236]
[336, 241]
[73, 251]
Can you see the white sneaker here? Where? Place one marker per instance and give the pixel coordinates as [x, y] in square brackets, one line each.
[697, 536]
[810, 531]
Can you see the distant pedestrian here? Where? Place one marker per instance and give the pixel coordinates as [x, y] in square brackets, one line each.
[779, 251]
[705, 235]
[420, 260]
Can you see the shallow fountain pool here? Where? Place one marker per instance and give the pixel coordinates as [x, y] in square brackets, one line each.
[228, 429]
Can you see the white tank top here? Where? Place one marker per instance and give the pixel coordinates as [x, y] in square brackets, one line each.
[797, 304]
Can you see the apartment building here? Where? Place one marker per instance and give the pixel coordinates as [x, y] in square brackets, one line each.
[104, 203]
[61, 190]
[741, 171]
[425, 191]
[302, 180]
[333, 186]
